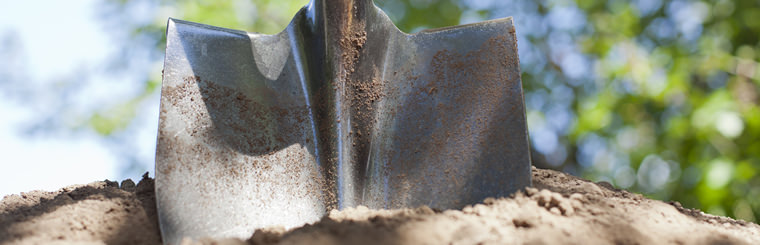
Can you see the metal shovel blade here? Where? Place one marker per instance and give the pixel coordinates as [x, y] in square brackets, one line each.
[340, 109]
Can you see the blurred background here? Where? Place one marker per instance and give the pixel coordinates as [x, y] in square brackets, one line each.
[658, 97]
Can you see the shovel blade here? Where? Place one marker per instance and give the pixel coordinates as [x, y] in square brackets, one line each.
[236, 149]
[451, 126]
[275, 130]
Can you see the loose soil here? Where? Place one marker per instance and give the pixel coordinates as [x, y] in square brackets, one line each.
[558, 209]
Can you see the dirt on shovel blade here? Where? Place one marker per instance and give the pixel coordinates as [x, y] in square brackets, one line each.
[560, 209]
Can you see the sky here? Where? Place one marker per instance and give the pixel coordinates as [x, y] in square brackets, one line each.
[59, 40]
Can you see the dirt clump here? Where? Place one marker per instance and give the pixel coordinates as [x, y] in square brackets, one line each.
[96, 213]
[558, 209]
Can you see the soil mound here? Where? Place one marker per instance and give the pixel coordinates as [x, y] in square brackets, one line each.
[558, 209]
[97, 213]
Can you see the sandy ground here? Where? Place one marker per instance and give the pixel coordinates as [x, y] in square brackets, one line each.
[96, 213]
[559, 209]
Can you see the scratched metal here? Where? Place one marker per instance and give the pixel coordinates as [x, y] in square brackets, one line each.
[338, 110]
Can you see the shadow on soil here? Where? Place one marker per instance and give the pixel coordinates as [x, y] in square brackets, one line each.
[22, 218]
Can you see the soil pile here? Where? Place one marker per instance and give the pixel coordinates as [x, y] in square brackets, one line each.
[96, 213]
[559, 209]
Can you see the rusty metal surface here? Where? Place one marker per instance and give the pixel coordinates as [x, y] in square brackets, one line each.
[340, 109]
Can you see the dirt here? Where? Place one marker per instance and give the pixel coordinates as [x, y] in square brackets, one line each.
[96, 213]
[558, 209]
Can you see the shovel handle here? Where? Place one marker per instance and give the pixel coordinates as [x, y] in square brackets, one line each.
[341, 12]
[348, 3]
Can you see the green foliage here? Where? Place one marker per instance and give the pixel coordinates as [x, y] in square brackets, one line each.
[118, 117]
[660, 97]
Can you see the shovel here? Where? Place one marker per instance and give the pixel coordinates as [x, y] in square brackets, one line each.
[340, 109]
